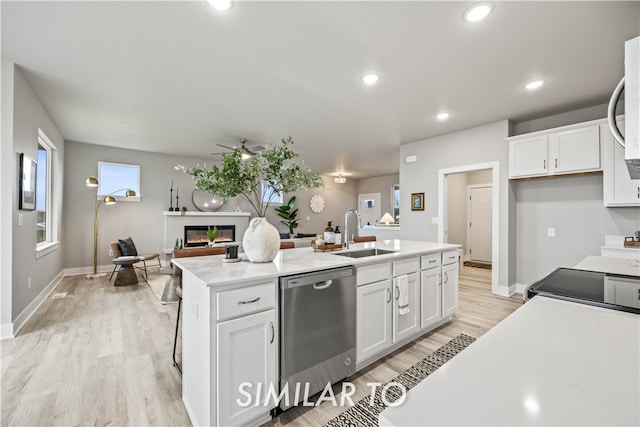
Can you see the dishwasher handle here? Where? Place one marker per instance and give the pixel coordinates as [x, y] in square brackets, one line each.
[322, 285]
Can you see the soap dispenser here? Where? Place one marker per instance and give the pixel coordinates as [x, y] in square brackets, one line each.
[329, 234]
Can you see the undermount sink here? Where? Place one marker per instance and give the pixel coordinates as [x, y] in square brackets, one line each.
[364, 253]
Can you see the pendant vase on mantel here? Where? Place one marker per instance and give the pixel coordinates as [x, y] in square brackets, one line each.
[261, 241]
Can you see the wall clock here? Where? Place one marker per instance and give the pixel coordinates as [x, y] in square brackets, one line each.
[316, 203]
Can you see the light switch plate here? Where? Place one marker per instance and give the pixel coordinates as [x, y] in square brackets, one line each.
[551, 232]
[434, 220]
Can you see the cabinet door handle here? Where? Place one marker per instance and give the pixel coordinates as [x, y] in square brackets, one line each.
[638, 192]
[439, 279]
[545, 165]
[389, 293]
[397, 296]
[446, 277]
[556, 163]
[273, 333]
[250, 301]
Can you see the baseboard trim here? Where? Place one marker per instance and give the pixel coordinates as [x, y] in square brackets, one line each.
[520, 288]
[29, 310]
[87, 270]
[6, 331]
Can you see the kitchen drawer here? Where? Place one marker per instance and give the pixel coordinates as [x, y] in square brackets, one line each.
[449, 257]
[406, 266]
[431, 261]
[238, 302]
[373, 273]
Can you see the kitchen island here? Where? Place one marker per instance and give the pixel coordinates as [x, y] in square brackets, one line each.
[231, 317]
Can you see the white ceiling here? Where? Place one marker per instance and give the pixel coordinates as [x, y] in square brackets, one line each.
[178, 77]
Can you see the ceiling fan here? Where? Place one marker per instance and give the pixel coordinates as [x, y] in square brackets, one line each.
[246, 151]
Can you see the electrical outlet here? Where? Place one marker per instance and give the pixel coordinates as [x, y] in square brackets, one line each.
[29, 282]
[434, 220]
[308, 218]
[551, 232]
[20, 220]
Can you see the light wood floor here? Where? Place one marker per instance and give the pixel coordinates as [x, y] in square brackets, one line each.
[102, 355]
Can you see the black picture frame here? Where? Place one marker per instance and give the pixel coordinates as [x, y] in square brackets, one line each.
[27, 179]
[417, 201]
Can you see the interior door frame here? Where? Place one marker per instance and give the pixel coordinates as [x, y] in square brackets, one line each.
[469, 188]
[495, 221]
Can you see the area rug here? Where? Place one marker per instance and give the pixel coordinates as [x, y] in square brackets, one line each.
[477, 264]
[163, 286]
[363, 414]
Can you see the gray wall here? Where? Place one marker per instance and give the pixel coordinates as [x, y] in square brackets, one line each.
[478, 145]
[382, 185]
[144, 220]
[573, 205]
[28, 116]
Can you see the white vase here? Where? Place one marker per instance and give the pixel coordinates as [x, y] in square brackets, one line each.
[261, 241]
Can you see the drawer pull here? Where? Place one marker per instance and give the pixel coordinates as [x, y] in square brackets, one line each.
[432, 260]
[251, 301]
[452, 257]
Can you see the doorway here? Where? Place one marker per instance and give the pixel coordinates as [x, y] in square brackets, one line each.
[369, 208]
[448, 177]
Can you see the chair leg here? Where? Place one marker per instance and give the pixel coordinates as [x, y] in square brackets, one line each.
[159, 263]
[114, 270]
[146, 275]
[175, 339]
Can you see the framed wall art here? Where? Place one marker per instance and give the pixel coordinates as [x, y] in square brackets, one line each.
[27, 178]
[417, 201]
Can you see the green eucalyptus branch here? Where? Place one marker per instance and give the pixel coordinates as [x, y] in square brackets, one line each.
[276, 165]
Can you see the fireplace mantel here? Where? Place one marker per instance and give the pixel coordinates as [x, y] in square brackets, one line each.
[174, 223]
[198, 213]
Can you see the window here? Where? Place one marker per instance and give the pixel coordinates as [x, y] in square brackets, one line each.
[45, 230]
[395, 202]
[117, 178]
[267, 193]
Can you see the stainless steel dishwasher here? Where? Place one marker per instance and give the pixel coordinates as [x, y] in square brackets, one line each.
[317, 331]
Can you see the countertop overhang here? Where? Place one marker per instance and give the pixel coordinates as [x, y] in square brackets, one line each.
[213, 271]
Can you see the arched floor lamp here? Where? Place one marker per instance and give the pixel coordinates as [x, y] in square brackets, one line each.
[92, 181]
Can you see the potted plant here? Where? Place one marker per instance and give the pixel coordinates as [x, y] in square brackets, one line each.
[212, 233]
[289, 215]
[257, 180]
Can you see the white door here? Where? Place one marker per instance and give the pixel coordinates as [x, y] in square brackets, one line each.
[407, 324]
[373, 319]
[246, 354]
[479, 226]
[431, 296]
[369, 208]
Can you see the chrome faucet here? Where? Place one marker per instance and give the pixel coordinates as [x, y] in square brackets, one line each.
[349, 239]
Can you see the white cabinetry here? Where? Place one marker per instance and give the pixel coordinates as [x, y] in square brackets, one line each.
[439, 287]
[246, 354]
[572, 149]
[373, 308]
[618, 187]
[229, 337]
[622, 291]
[405, 325]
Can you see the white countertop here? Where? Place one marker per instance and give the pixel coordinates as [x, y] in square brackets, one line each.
[551, 362]
[626, 266]
[212, 271]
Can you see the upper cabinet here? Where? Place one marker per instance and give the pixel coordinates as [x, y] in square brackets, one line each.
[571, 149]
[618, 187]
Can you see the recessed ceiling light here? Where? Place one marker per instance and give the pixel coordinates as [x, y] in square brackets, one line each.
[371, 78]
[220, 4]
[535, 84]
[478, 12]
[442, 116]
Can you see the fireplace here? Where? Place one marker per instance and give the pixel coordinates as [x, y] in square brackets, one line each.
[196, 235]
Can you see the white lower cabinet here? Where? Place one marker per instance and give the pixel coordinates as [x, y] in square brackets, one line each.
[247, 349]
[405, 325]
[449, 289]
[439, 291]
[431, 300]
[373, 319]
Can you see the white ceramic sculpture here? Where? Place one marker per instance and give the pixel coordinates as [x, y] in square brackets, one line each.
[261, 241]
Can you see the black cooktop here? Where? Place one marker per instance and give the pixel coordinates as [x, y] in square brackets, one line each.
[614, 291]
